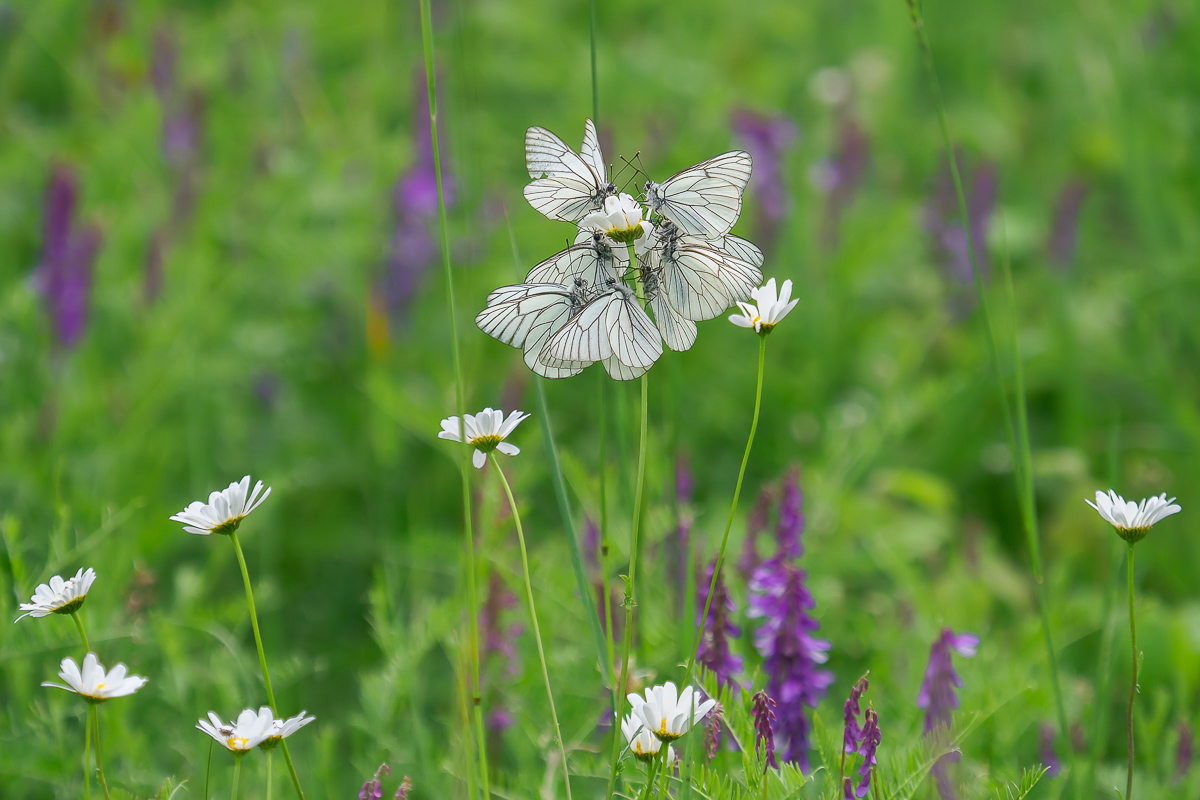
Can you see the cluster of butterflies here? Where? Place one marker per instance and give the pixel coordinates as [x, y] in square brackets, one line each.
[576, 307]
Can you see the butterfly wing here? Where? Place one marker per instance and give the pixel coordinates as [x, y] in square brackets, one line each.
[611, 326]
[678, 333]
[738, 247]
[564, 197]
[525, 316]
[590, 152]
[565, 186]
[585, 260]
[705, 200]
[700, 282]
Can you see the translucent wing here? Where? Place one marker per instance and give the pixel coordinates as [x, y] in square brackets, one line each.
[738, 247]
[565, 186]
[525, 316]
[612, 325]
[548, 155]
[704, 200]
[700, 281]
[678, 333]
[618, 371]
[591, 151]
[564, 197]
[589, 260]
[620, 252]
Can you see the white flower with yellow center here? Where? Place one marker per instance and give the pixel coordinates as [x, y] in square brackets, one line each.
[669, 713]
[283, 728]
[59, 596]
[768, 310]
[642, 743]
[224, 511]
[249, 731]
[1133, 520]
[622, 220]
[95, 684]
[486, 432]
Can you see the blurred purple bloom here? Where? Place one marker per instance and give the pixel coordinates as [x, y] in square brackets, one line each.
[870, 743]
[500, 719]
[764, 735]
[373, 788]
[840, 176]
[852, 734]
[712, 732]
[939, 691]
[767, 138]
[1064, 231]
[943, 222]
[1046, 750]
[499, 640]
[403, 789]
[162, 64]
[68, 258]
[714, 652]
[1183, 756]
[791, 516]
[591, 541]
[941, 775]
[756, 523]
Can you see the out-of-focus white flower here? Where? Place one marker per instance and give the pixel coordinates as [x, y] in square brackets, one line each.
[622, 220]
[486, 432]
[224, 511]
[1133, 520]
[59, 596]
[642, 743]
[249, 731]
[768, 309]
[283, 728]
[669, 713]
[93, 683]
[831, 86]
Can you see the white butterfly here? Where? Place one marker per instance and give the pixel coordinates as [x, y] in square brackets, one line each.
[704, 200]
[591, 259]
[612, 328]
[698, 280]
[738, 247]
[528, 314]
[566, 185]
[677, 333]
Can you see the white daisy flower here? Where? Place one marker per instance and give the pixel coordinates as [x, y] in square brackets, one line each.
[1133, 520]
[59, 596]
[249, 731]
[224, 511]
[283, 728]
[642, 744]
[622, 220]
[770, 308]
[485, 432]
[669, 713]
[93, 683]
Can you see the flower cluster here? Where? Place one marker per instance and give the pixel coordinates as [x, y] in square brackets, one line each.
[68, 257]
[661, 716]
[714, 653]
[939, 697]
[764, 734]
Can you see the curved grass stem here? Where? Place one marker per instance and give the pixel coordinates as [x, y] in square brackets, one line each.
[1133, 681]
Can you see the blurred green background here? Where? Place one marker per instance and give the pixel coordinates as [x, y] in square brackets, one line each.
[218, 256]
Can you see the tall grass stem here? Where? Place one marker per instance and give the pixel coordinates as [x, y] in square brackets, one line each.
[237, 774]
[87, 755]
[1133, 681]
[83, 636]
[99, 761]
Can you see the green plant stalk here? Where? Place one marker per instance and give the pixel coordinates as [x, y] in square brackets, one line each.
[269, 754]
[1133, 682]
[262, 656]
[208, 769]
[630, 602]
[83, 636]
[1019, 445]
[651, 774]
[237, 774]
[595, 82]
[537, 631]
[1111, 587]
[666, 773]
[87, 755]
[95, 713]
[459, 396]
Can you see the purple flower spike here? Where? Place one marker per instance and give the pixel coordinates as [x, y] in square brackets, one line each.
[852, 734]
[1064, 231]
[943, 220]
[756, 523]
[404, 788]
[373, 789]
[870, 743]
[939, 695]
[1183, 756]
[764, 735]
[712, 732]
[714, 654]
[791, 516]
[591, 542]
[1046, 750]
[68, 257]
[767, 138]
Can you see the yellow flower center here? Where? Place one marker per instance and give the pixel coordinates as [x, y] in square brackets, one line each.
[486, 444]
[237, 742]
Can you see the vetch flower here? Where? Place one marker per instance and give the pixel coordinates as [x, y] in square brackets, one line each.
[870, 743]
[373, 789]
[403, 789]
[249, 731]
[486, 432]
[764, 735]
[714, 654]
[622, 219]
[59, 596]
[1133, 520]
[224, 511]
[642, 744]
[712, 732]
[669, 713]
[939, 690]
[769, 309]
[1046, 750]
[852, 733]
[95, 684]
[283, 728]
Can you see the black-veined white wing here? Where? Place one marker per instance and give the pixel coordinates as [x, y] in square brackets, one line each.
[526, 316]
[612, 325]
[590, 259]
[738, 247]
[700, 281]
[590, 151]
[677, 333]
[704, 200]
[566, 186]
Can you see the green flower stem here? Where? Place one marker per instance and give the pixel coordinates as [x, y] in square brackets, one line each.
[262, 656]
[459, 395]
[269, 754]
[79, 624]
[595, 83]
[237, 774]
[651, 774]
[608, 620]
[95, 711]
[666, 773]
[1133, 683]
[208, 769]
[537, 633]
[631, 582]
[87, 755]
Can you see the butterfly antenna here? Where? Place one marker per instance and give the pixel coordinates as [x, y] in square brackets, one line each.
[630, 164]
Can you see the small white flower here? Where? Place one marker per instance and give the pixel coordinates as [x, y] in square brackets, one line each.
[770, 308]
[93, 683]
[283, 728]
[1133, 520]
[642, 744]
[59, 596]
[249, 731]
[224, 511]
[669, 713]
[622, 220]
[486, 432]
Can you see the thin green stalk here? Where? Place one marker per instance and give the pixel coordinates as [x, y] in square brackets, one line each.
[537, 632]
[651, 774]
[459, 393]
[1018, 431]
[1108, 614]
[1133, 682]
[79, 624]
[630, 583]
[269, 754]
[87, 755]
[262, 655]
[237, 774]
[666, 773]
[99, 761]
[208, 769]
[595, 82]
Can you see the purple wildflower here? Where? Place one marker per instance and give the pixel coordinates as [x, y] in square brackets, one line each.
[712, 732]
[1046, 750]
[756, 523]
[870, 744]
[496, 639]
[840, 176]
[591, 541]
[1183, 755]
[791, 516]
[403, 789]
[373, 789]
[852, 733]
[714, 652]
[767, 138]
[1064, 231]
[939, 695]
[764, 736]
[943, 221]
[68, 257]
